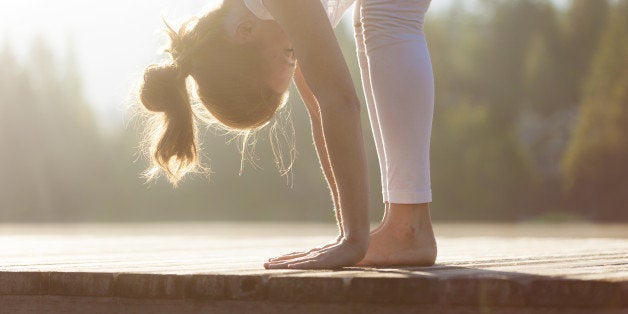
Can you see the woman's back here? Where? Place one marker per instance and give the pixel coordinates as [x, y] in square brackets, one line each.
[335, 9]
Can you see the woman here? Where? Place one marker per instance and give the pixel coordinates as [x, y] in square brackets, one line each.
[243, 56]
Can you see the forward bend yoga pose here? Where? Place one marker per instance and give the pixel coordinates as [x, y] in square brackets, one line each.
[243, 56]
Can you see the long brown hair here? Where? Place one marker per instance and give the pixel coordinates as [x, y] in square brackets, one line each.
[230, 81]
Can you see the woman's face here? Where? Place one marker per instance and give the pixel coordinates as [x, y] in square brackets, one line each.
[276, 49]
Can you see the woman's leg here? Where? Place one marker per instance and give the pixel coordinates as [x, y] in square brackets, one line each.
[370, 104]
[402, 85]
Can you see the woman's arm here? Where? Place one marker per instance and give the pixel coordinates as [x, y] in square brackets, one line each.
[327, 74]
[314, 112]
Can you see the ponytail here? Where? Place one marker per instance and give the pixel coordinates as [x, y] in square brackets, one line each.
[173, 143]
[230, 82]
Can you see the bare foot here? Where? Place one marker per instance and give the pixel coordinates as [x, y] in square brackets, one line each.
[342, 254]
[402, 242]
[299, 254]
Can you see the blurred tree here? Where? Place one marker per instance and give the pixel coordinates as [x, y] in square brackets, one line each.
[480, 170]
[595, 169]
[455, 39]
[508, 82]
[21, 196]
[545, 118]
[585, 20]
[543, 67]
[54, 146]
[558, 59]
[509, 33]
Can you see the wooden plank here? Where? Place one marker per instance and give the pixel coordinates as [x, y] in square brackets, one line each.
[165, 266]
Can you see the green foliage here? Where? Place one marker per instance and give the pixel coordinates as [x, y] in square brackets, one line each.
[585, 21]
[543, 82]
[509, 33]
[595, 169]
[479, 167]
[480, 171]
[510, 76]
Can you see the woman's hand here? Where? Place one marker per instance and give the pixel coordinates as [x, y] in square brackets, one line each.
[341, 254]
[327, 76]
[298, 254]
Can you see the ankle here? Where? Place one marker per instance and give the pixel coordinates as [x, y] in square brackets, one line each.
[412, 214]
[360, 244]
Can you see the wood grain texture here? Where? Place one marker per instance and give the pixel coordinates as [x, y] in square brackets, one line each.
[192, 266]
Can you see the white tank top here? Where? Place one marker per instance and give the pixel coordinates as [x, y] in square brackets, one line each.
[335, 9]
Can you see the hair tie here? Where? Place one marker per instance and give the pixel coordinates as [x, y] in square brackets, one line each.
[180, 56]
[184, 66]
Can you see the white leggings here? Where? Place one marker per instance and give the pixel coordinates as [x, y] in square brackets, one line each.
[399, 88]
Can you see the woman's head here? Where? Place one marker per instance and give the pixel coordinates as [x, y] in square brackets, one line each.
[241, 67]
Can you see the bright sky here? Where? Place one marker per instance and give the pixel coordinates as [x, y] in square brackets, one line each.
[113, 39]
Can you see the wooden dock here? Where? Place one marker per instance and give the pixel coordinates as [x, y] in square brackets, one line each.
[217, 268]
